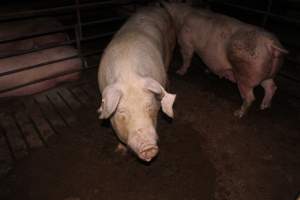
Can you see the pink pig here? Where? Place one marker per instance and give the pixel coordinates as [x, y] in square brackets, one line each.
[132, 79]
[242, 53]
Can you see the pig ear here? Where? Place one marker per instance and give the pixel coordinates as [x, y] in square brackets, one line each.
[167, 99]
[110, 100]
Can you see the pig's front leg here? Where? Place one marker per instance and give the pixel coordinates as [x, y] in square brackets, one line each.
[121, 148]
[248, 97]
[270, 88]
[187, 51]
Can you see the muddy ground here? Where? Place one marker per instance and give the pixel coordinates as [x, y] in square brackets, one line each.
[205, 153]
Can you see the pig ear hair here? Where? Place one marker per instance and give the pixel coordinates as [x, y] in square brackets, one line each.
[110, 100]
[166, 99]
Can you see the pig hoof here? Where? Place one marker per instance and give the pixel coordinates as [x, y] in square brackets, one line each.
[264, 106]
[181, 72]
[121, 148]
[239, 113]
[148, 153]
[206, 71]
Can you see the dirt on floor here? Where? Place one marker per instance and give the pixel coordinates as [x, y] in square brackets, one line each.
[205, 153]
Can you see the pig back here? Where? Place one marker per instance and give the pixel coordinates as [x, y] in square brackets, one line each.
[141, 48]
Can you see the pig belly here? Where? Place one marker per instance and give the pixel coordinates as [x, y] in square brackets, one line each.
[23, 77]
[216, 60]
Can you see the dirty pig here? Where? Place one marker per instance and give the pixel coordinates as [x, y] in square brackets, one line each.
[244, 54]
[132, 78]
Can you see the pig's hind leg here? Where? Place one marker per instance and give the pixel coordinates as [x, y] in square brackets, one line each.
[270, 89]
[186, 49]
[248, 97]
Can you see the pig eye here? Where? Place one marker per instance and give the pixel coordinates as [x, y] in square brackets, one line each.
[121, 114]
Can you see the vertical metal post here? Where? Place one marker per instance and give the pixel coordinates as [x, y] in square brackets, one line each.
[78, 15]
[78, 33]
[266, 16]
[78, 45]
[134, 6]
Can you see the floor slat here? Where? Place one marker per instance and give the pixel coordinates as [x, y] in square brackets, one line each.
[27, 129]
[14, 137]
[36, 117]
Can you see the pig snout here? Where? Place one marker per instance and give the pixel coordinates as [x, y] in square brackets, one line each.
[144, 143]
[148, 152]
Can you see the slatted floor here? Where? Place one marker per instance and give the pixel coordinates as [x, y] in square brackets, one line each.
[29, 122]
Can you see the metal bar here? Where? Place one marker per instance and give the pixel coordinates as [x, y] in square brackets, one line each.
[104, 21]
[288, 19]
[51, 10]
[78, 32]
[57, 45]
[98, 36]
[58, 30]
[269, 8]
[18, 53]
[78, 44]
[48, 63]
[78, 16]
[286, 76]
[36, 66]
[28, 36]
[47, 78]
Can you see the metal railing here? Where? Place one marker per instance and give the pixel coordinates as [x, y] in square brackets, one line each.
[77, 41]
[265, 13]
[62, 9]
